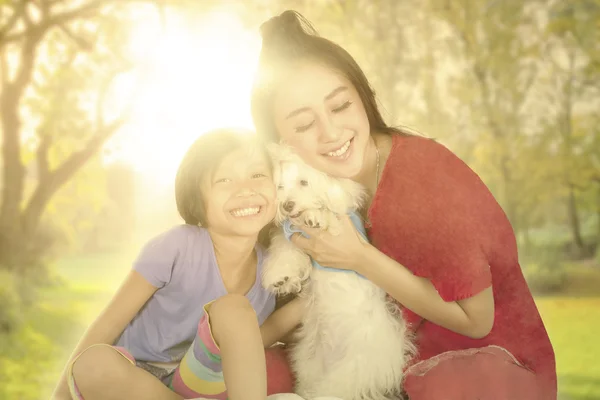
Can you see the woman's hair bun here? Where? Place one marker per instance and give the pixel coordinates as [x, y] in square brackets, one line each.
[288, 26]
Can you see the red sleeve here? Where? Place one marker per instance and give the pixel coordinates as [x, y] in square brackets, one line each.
[442, 211]
[462, 270]
[458, 267]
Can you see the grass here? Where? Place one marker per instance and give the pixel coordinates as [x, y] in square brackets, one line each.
[32, 358]
[572, 324]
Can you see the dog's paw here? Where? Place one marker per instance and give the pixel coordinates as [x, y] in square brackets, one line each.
[283, 284]
[286, 278]
[315, 219]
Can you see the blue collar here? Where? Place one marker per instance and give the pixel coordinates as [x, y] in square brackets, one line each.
[289, 230]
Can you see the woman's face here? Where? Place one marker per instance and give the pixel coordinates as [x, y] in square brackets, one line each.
[319, 113]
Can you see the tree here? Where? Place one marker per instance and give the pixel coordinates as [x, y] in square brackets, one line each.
[573, 88]
[493, 49]
[66, 51]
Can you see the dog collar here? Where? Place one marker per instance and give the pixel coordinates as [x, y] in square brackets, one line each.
[289, 230]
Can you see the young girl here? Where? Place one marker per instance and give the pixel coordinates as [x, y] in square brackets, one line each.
[440, 244]
[192, 317]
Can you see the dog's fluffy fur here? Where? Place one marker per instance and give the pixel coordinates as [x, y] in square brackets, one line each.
[353, 342]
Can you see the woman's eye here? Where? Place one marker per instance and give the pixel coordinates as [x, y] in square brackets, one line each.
[304, 128]
[279, 187]
[223, 180]
[259, 175]
[342, 107]
[303, 182]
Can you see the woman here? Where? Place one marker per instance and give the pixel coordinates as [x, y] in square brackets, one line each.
[441, 245]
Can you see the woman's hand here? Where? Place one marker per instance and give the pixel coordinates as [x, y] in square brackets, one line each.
[343, 251]
[472, 317]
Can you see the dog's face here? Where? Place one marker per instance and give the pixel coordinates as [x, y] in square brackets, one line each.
[301, 187]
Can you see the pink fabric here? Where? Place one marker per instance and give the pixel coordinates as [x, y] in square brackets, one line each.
[488, 373]
[279, 374]
[206, 335]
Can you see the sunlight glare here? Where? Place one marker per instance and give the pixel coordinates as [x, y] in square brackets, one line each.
[196, 78]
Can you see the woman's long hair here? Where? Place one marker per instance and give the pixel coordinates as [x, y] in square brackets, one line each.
[289, 39]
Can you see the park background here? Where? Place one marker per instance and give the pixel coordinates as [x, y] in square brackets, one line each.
[99, 100]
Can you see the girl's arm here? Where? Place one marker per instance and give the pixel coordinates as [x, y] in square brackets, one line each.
[283, 321]
[123, 307]
[472, 317]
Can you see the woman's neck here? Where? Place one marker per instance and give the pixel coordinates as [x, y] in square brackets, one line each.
[368, 176]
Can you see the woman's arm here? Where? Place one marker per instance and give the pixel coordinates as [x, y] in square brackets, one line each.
[283, 321]
[123, 307]
[472, 317]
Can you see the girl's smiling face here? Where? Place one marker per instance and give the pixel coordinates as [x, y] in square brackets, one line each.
[239, 195]
[319, 113]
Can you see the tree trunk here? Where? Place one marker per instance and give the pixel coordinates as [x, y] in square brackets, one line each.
[12, 242]
[13, 169]
[19, 221]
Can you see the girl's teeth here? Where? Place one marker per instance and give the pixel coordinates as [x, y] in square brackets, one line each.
[340, 151]
[244, 212]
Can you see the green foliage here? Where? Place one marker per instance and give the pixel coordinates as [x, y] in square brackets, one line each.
[66, 110]
[25, 356]
[520, 104]
[10, 311]
[76, 209]
[33, 355]
[545, 279]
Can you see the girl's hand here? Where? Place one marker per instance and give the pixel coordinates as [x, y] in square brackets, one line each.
[343, 251]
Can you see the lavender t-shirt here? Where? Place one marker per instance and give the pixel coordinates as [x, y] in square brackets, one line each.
[182, 264]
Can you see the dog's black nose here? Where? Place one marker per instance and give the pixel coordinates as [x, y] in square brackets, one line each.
[288, 205]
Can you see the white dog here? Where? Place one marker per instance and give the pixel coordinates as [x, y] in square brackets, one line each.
[353, 343]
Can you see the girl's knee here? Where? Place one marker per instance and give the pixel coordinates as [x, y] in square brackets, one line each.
[231, 311]
[98, 366]
[230, 304]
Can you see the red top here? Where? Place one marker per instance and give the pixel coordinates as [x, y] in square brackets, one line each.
[435, 216]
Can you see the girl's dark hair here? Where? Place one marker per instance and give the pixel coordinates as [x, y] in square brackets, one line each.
[289, 38]
[199, 162]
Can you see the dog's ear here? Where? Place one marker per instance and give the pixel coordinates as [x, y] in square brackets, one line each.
[340, 194]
